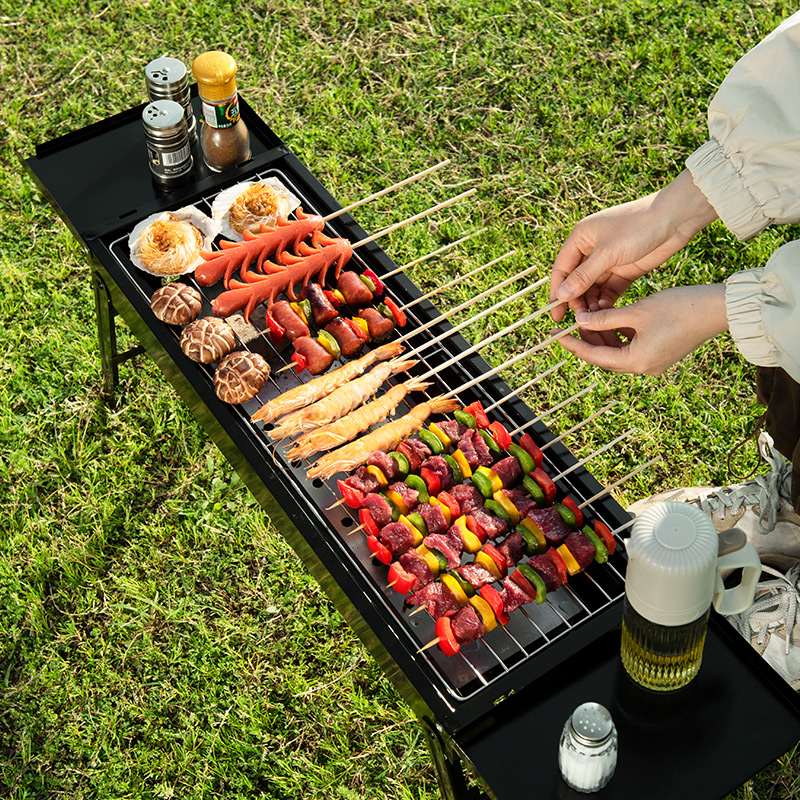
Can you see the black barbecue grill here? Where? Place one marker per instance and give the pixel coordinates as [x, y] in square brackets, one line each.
[525, 677]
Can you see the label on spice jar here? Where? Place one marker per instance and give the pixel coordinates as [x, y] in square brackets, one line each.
[223, 116]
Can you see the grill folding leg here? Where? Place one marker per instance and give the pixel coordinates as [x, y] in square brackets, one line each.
[110, 357]
[449, 767]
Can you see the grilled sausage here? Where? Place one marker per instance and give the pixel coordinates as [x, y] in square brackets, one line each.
[349, 342]
[353, 289]
[286, 317]
[317, 357]
[379, 326]
[321, 308]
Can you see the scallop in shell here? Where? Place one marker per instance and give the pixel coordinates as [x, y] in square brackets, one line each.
[247, 205]
[169, 243]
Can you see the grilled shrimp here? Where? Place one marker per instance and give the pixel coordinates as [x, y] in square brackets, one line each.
[385, 438]
[354, 423]
[339, 402]
[307, 393]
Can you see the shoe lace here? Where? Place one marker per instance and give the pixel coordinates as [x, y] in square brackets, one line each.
[777, 606]
[768, 491]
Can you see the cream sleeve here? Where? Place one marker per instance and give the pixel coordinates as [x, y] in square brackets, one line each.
[749, 169]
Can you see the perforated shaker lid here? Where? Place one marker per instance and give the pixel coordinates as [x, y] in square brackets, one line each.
[672, 563]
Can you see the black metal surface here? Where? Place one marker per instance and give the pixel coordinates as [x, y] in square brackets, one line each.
[467, 696]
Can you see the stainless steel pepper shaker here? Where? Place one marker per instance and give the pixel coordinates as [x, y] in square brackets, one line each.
[167, 78]
[587, 752]
[168, 149]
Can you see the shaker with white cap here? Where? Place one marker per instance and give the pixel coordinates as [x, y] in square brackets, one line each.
[587, 751]
[674, 574]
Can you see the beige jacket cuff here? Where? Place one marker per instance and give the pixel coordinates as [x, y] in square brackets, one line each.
[761, 305]
[714, 174]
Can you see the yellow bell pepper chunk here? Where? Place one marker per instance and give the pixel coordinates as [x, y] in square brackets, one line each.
[434, 501]
[509, 507]
[573, 567]
[455, 588]
[397, 501]
[377, 473]
[440, 434]
[463, 465]
[488, 564]
[472, 544]
[533, 528]
[484, 612]
[361, 323]
[429, 558]
[497, 484]
[415, 531]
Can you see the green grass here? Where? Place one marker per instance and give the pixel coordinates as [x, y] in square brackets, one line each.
[157, 637]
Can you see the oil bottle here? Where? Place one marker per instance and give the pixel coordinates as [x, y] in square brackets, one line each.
[674, 574]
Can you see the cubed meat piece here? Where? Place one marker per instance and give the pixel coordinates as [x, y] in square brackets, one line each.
[513, 596]
[548, 573]
[434, 518]
[467, 448]
[467, 626]
[476, 574]
[379, 509]
[406, 492]
[554, 528]
[467, 497]
[511, 548]
[492, 525]
[453, 429]
[444, 545]
[419, 447]
[485, 458]
[519, 497]
[438, 466]
[385, 463]
[353, 289]
[363, 481]
[508, 470]
[437, 599]
[581, 548]
[415, 566]
[396, 537]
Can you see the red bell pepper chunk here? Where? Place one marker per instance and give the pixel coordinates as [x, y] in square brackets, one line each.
[333, 299]
[370, 526]
[606, 537]
[276, 331]
[432, 480]
[559, 564]
[495, 601]
[523, 584]
[375, 280]
[413, 459]
[529, 446]
[447, 639]
[501, 435]
[352, 497]
[476, 409]
[476, 528]
[569, 503]
[546, 482]
[398, 314]
[451, 503]
[400, 580]
[379, 550]
[357, 330]
[301, 361]
[497, 557]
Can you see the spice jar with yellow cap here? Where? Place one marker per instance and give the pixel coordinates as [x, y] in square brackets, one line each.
[224, 138]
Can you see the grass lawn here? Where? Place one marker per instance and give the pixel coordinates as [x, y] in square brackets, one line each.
[158, 638]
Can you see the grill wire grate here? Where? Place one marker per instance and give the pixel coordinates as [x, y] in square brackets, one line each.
[532, 628]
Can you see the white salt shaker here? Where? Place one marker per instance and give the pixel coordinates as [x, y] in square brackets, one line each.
[587, 752]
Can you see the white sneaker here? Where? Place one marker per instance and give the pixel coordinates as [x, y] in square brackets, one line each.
[760, 507]
[772, 623]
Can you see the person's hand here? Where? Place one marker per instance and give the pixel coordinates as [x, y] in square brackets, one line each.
[651, 335]
[609, 250]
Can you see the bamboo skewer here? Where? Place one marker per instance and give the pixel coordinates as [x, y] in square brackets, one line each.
[441, 250]
[592, 455]
[385, 191]
[525, 386]
[578, 426]
[556, 407]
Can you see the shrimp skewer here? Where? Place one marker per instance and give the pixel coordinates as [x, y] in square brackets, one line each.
[354, 423]
[387, 437]
[345, 399]
[308, 393]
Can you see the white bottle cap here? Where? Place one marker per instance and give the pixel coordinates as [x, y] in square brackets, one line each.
[672, 564]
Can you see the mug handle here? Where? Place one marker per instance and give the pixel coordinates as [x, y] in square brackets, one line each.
[740, 597]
